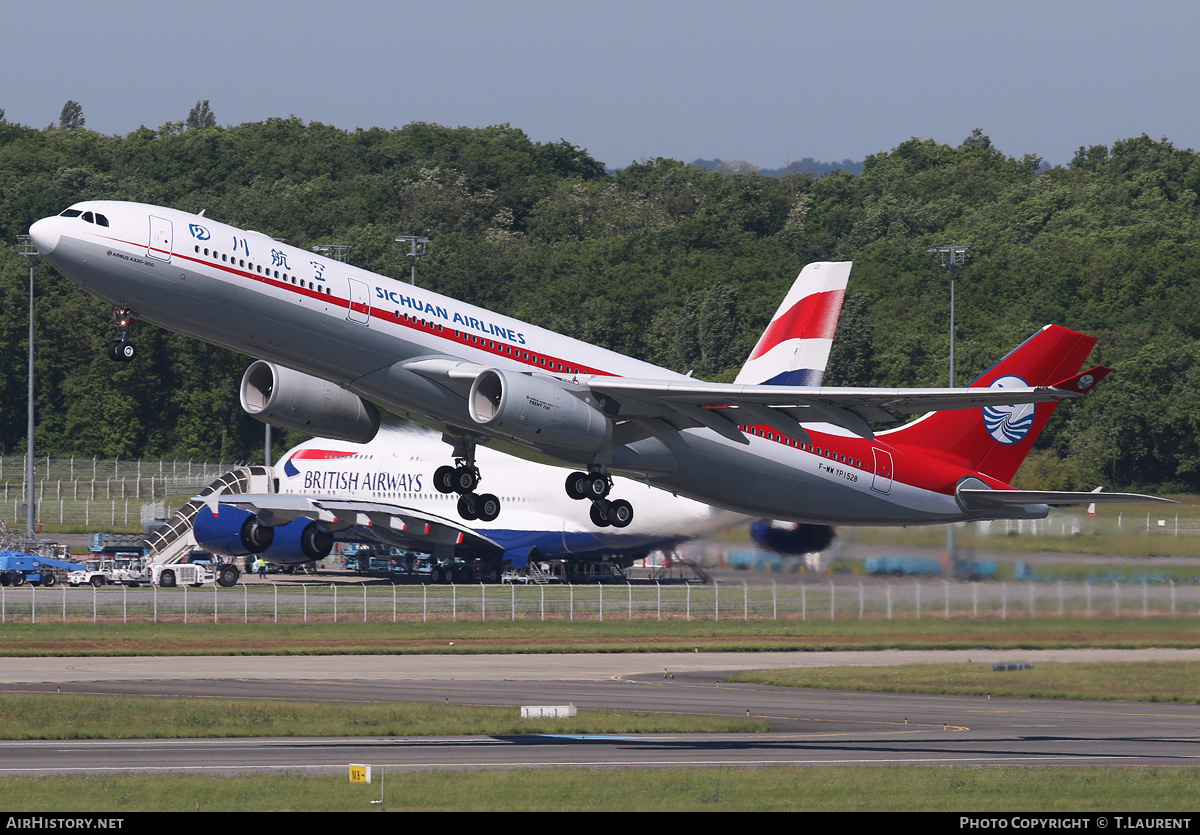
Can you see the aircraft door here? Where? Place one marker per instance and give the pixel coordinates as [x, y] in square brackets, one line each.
[882, 482]
[360, 303]
[160, 239]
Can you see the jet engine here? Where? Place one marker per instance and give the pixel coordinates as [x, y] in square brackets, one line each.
[237, 533]
[539, 411]
[307, 404]
[789, 538]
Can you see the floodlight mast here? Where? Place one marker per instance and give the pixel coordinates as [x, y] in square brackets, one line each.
[952, 257]
[30, 252]
[419, 247]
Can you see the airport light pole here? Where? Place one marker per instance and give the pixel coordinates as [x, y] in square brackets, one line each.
[952, 257]
[29, 251]
[338, 252]
[419, 246]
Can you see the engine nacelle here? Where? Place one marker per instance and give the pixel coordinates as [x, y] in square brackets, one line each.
[539, 411]
[307, 404]
[791, 539]
[237, 533]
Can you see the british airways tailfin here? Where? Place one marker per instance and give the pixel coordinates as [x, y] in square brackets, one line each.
[794, 349]
[995, 440]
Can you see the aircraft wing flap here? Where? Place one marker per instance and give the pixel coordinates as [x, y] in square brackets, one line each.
[909, 401]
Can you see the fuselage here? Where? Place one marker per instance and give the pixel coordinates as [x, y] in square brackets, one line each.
[252, 294]
[397, 468]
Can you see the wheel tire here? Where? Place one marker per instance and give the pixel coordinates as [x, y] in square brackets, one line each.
[111, 350]
[575, 482]
[18, 578]
[5, 579]
[167, 579]
[443, 479]
[97, 581]
[48, 579]
[467, 506]
[487, 507]
[596, 487]
[125, 351]
[228, 576]
[620, 513]
[600, 514]
[465, 480]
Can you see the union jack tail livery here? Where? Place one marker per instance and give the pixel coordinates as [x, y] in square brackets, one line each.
[794, 349]
[995, 440]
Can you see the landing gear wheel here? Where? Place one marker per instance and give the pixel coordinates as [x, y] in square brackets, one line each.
[487, 507]
[575, 482]
[443, 479]
[600, 514]
[596, 486]
[620, 513]
[467, 506]
[125, 351]
[466, 479]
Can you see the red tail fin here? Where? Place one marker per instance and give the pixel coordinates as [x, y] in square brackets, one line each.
[995, 440]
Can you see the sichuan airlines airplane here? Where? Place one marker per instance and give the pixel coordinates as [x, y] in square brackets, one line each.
[337, 342]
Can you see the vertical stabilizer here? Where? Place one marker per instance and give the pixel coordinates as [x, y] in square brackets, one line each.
[996, 439]
[794, 349]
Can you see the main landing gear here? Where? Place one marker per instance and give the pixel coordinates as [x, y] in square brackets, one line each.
[595, 486]
[122, 349]
[463, 478]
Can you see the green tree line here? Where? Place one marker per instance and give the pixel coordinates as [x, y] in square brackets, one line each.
[673, 263]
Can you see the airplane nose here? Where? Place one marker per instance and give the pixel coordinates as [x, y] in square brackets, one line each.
[45, 234]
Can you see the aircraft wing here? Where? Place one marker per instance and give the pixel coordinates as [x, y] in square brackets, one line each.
[396, 525]
[724, 406]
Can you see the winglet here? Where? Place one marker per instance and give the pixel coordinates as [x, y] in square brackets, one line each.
[1083, 382]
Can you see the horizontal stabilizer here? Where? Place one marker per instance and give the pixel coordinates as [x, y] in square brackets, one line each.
[1083, 382]
[978, 498]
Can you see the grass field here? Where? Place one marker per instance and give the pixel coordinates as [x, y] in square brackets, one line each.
[474, 637]
[880, 789]
[1144, 681]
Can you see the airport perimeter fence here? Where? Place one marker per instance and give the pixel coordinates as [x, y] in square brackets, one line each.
[264, 602]
[100, 492]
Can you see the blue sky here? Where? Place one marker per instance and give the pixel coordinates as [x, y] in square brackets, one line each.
[767, 82]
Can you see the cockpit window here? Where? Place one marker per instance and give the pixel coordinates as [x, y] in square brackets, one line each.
[101, 220]
[70, 213]
[89, 217]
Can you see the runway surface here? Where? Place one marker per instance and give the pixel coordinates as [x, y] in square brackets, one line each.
[809, 727]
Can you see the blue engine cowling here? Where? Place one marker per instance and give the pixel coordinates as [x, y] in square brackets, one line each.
[237, 533]
[791, 538]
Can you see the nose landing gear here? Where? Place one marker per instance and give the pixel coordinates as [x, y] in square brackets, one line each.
[124, 320]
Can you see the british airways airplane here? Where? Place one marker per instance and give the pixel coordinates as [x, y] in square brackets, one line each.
[383, 492]
[338, 342]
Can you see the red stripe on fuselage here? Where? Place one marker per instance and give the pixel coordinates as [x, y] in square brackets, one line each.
[536, 359]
